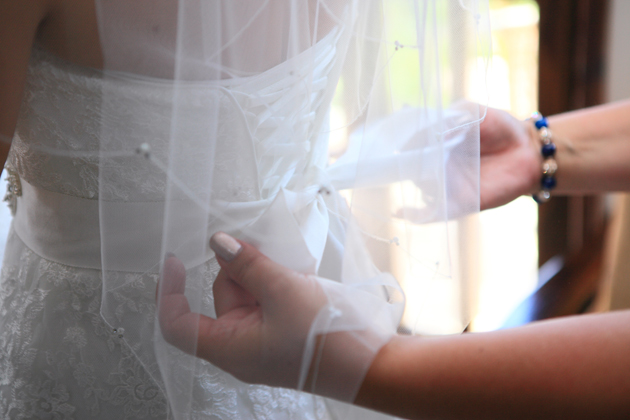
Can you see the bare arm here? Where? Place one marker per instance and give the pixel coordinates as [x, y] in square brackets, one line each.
[593, 149]
[19, 21]
[570, 368]
[593, 153]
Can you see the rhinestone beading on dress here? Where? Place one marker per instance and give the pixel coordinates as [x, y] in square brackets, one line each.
[14, 188]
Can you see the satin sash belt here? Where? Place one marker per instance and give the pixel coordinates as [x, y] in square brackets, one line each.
[59, 227]
[291, 228]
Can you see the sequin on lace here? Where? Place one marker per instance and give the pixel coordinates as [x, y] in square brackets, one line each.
[14, 188]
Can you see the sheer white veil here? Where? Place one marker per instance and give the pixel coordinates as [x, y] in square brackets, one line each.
[334, 135]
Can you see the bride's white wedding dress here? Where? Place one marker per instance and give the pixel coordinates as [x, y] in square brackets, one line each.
[58, 358]
[104, 180]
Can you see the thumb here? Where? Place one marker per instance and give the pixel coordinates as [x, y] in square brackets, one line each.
[249, 268]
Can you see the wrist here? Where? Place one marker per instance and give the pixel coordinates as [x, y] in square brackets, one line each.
[549, 166]
[537, 163]
[339, 356]
[381, 379]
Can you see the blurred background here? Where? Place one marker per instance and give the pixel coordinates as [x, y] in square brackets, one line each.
[508, 235]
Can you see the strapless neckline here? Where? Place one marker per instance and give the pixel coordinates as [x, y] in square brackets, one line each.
[62, 111]
[320, 52]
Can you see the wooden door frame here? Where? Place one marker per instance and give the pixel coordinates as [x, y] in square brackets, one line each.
[572, 58]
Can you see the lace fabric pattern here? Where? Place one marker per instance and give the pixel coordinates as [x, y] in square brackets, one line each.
[59, 360]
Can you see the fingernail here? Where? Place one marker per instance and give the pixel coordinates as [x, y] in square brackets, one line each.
[225, 246]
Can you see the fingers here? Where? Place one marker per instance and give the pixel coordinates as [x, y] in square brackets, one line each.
[178, 324]
[230, 342]
[174, 276]
[250, 269]
[228, 295]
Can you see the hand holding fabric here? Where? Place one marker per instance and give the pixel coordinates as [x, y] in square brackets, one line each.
[263, 311]
[274, 326]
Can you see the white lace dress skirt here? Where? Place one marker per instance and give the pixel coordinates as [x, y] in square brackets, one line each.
[59, 360]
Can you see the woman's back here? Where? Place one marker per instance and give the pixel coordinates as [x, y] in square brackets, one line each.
[58, 355]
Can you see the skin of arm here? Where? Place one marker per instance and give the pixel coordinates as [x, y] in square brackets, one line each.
[593, 149]
[573, 368]
[19, 21]
[65, 27]
[593, 153]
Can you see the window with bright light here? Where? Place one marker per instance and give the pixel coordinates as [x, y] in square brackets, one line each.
[509, 238]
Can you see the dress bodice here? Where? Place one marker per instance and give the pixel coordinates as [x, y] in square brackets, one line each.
[268, 133]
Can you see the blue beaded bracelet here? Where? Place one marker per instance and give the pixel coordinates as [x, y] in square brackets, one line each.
[549, 166]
